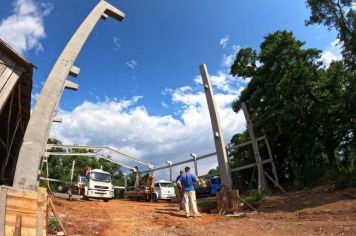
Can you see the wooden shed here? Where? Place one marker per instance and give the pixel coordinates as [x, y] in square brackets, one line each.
[15, 107]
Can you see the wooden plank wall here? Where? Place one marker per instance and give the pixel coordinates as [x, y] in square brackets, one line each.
[31, 206]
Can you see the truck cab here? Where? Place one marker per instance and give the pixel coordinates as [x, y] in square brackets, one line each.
[163, 190]
[98, 185]
[215, 185]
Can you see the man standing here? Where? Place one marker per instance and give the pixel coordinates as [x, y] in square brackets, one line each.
[186, 181]
[180, 192]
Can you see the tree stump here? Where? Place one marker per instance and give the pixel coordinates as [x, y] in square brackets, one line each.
[228, 200]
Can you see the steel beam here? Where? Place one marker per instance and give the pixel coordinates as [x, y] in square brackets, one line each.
[99, 148]
[36, 136]
[88, 154]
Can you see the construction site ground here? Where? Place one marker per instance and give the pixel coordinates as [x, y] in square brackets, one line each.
[320, 211]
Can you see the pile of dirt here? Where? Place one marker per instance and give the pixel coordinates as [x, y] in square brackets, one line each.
[320, 211]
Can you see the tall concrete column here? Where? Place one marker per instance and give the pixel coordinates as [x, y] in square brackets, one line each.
[195, 163]
[125, 180]
[223, 161]
[170, 170]
[35, 139]
[261, 181]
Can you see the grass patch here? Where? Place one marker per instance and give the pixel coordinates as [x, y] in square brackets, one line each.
[253, 196]
[53, 225]
[347, 179]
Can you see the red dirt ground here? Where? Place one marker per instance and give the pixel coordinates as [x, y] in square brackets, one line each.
[321, 211]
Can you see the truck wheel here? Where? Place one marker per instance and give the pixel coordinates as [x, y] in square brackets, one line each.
[85, 198]
[154, 198]
[106, 200]
[169, 200]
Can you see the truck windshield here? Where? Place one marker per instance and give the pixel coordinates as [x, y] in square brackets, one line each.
[215, 181]
[100, 176]
[166, 185]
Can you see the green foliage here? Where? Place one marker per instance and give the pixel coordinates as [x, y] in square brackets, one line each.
[253, 196]
[346, 180]
[53, 225]
[60, 167]
[214, 171]
[338, 15]
[306, 110]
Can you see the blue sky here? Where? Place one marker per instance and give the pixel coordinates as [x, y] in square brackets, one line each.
[142, 73]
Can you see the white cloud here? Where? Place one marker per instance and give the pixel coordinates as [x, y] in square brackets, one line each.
[24, 29]
[332, 53]
[353, 6]
[224, 41]
[164, 105]
[132, 64]
[129, 126]
[117, 43]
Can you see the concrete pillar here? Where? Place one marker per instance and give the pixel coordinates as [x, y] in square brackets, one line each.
[274, 170]
[262, 184]
[223, 161]
[35, 139]
[195, 163]
[125, 180]
[170, 170]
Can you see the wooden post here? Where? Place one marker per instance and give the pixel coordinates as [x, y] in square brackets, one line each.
[57, 216]
[3, 193]
[262, 184]
[17, 231]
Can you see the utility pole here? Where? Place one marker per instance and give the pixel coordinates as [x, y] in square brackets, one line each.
[37, 132]
[262, 184]
[223, 161]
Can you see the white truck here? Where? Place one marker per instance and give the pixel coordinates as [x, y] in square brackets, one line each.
[98, 185]
[163, 190]
[160, 190]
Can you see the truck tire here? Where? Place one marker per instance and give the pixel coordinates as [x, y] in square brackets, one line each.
[106, 200]
[169, 200]
[85, 198]
[154, 198]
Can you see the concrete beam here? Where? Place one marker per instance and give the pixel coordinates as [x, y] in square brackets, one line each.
[71, 85]
[74, 71]
[104, 16]
[57, 119]
[38, 129]
[223, 161]
[261, 181]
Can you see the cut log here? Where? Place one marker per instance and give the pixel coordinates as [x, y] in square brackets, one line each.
[228, 200]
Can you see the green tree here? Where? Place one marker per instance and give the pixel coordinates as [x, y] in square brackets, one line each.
[341, 16]
[285, 99]
[60, 166]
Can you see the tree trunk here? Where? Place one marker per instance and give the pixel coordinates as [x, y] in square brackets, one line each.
[330, 152]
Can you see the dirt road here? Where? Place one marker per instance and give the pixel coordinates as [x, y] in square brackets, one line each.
[321, 211]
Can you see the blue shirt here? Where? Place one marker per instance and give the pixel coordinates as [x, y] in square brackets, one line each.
[187, 180]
